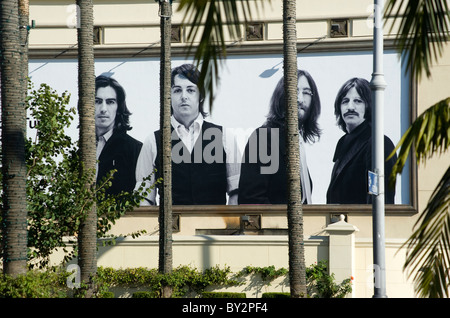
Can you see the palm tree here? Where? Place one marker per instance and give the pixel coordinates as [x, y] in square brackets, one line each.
[14, 216]
[86, 108]
[297, 270]
[165, 207]
[211, 48]
[424, 30]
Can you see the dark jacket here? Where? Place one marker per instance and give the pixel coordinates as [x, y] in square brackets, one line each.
[264, 188]
[197, 183]
[121, 152]
[352, 161]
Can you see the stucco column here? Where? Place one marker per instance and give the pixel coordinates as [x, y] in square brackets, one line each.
[341, 260]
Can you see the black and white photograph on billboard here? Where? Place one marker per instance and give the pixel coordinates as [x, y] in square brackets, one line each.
[234, 152]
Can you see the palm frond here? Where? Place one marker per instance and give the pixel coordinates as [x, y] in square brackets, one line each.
[429, 134]
[423, 31]
[429, 245]
[208, 21]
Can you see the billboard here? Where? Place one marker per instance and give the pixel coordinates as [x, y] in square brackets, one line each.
[242, 105]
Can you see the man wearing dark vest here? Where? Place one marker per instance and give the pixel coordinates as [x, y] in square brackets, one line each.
[202, 171]
[116, 150]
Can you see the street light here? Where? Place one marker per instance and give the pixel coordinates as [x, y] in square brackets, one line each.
[378, 86]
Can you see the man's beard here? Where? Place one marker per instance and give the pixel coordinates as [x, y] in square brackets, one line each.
[302, 119]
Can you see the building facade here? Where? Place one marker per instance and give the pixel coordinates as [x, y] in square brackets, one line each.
[334, 45]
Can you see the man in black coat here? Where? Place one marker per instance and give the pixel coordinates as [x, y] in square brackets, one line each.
[353, 154]
[263, 167]
[115, 148]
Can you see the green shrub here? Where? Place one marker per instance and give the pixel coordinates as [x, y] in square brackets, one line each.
[182, 279]
[107, 294]
[276, 295]
[323, 285]
[145, 294]
[268, 273]
[320, 284]
[33, 284]
[223, 295]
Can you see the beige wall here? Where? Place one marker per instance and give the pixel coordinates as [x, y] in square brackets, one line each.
[136, 24]
[347, 256]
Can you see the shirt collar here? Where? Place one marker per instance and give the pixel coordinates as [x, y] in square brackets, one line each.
[107, 134]
[198, 122]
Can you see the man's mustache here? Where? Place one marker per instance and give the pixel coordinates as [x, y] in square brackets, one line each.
[351, 112]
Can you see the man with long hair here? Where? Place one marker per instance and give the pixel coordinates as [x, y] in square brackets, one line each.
[116, 150]
[263, 181]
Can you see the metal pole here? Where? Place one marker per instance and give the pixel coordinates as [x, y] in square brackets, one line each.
[378, 86]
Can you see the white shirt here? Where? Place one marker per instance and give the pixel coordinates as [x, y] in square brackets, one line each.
[146, 161]
[304, 175]
[102, 140]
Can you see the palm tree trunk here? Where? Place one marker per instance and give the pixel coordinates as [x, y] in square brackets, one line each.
[14, 218]
[24, 16]
[165, 207]
[297, 275]
[87, 243]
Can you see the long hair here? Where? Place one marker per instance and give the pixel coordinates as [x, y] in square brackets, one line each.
[122, 121]
[190, 72]
[362, 86]
[309, 128]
